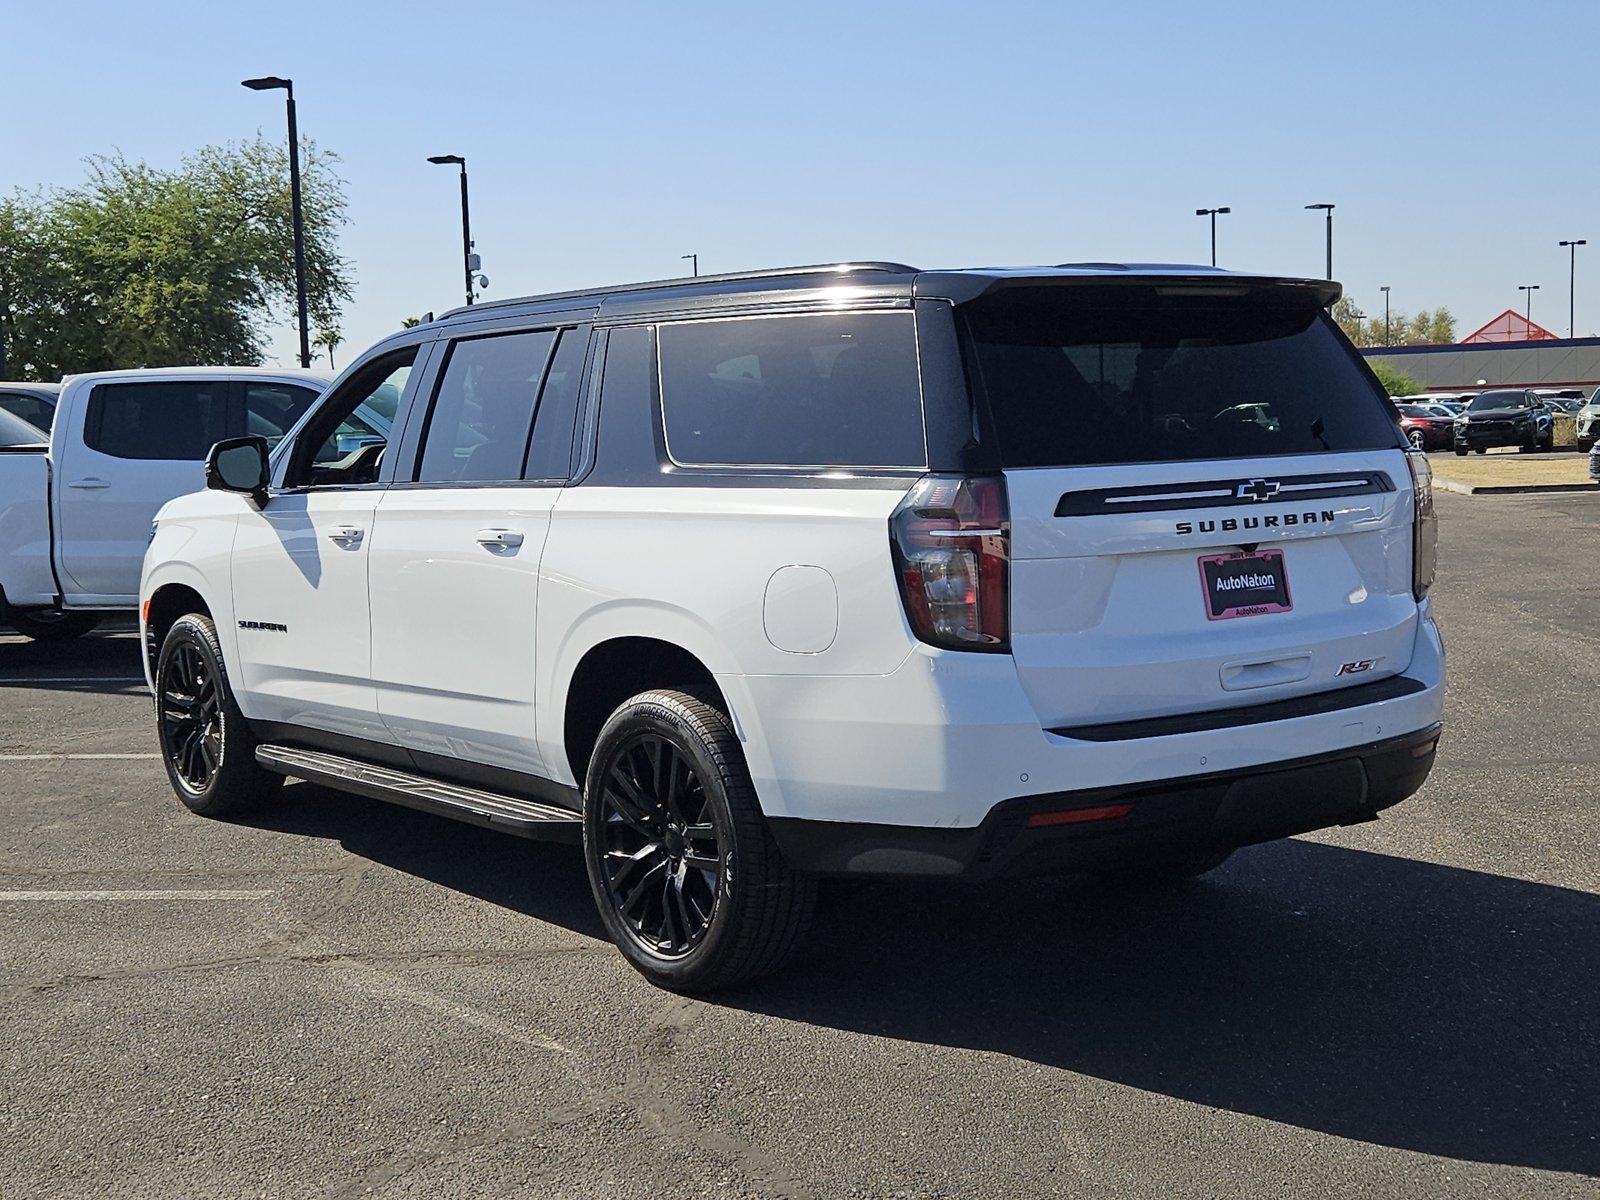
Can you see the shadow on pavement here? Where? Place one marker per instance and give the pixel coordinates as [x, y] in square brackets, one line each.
[1381, 999]
[104, 662]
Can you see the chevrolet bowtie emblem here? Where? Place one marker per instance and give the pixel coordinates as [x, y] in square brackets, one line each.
[1257, 489]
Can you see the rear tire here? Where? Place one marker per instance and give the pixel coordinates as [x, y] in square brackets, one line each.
[1167, 872]
[1461, 451]
[207, 748]
[51, 624]
[689, 883]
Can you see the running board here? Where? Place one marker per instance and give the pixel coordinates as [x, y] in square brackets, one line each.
[510, 814]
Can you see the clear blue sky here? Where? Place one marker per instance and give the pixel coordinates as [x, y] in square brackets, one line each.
[605, 140]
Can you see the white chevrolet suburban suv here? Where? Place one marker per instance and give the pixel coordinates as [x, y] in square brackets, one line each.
[744, 581]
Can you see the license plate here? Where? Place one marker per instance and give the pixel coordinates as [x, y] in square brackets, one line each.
[1244, 585]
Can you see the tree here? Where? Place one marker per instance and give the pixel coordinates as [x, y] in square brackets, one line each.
[141, 266]
[1394, 381]
[1424, 329]
[328, 339]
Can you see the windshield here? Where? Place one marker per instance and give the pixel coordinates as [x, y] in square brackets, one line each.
[1085, 375]
[1493, 400]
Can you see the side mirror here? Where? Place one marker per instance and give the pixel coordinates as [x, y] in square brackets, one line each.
[240, 465]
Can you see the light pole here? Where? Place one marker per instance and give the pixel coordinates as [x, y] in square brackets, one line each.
[694, 263]
[1572, 280]
[269, 83]
[1530, 288]
[1212, 213]
[466, 216]
[1385, 290]
[1328, 208]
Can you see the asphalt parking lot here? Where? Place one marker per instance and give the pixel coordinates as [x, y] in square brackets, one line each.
[343, 998]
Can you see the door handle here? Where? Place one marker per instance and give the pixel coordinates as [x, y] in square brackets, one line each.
[499, 539]
[347, 534]
[88, 484]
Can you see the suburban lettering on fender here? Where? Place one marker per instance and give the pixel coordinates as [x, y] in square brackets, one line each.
[1275, 521]
[265, 626]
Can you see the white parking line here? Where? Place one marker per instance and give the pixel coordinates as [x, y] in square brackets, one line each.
[71, 757]
[168, 894]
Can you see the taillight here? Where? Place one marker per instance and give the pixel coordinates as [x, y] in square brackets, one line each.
[951, 541]
[1424, 526]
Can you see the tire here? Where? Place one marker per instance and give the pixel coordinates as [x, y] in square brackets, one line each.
[1168, 872]
[1417, 438]
[1481, 450]
[668, 800]
[51, 624]
[206, 747]
[1461, 451]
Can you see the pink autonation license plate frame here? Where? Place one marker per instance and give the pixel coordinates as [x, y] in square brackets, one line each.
[1236, 563]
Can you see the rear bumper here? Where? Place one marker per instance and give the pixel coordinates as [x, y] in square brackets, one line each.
[1037, 834]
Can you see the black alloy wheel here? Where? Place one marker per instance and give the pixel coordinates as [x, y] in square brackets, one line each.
[191, 718]
[661, 852]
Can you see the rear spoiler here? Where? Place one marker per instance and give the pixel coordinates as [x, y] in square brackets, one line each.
[960, 287]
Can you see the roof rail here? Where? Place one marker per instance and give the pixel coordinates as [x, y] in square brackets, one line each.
[689, 280]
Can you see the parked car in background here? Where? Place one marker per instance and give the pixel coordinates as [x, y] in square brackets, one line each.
[17, 435]
[35, 403]
[1426, 427]
[1503, 417]
[75, 519]
[1589, 423]
[1594, 463]
[841, 570]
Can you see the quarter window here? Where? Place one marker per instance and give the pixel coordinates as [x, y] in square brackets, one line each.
[833, 390]
[483, 409]
[172, 421]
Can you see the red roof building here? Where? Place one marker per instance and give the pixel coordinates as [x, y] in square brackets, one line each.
[1510, 326]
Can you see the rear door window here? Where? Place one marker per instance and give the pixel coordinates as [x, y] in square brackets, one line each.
[550, 452]
[1083, 375]
[483, 410]
[828, 390]
[170, 420]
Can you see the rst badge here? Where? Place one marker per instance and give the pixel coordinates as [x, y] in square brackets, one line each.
[1359, 667]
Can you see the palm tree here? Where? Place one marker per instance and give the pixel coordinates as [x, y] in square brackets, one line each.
[329, 338]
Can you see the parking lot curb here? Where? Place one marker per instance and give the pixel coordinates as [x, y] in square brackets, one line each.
[1513, 489]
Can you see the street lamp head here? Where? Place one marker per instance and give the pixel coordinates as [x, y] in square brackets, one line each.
[443, 159]
[1527, 287]
[267, 83]
[1329, 207]
[1579, 242]
[1210, 212]
[1384, 288]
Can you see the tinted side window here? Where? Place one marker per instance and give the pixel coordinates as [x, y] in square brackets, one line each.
[483, 409]
[271, 409]
[168, 420]
[837, 389]
[550, 453]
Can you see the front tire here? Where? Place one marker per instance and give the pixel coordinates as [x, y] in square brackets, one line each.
[51, 624]
[688, 881]
[206, 746]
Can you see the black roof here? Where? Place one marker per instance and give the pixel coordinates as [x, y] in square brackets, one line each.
[870, 279]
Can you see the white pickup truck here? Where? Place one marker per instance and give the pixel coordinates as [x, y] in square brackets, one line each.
[75, 517]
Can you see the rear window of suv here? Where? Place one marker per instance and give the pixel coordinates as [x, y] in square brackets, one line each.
[1086, 375]
[830, 390]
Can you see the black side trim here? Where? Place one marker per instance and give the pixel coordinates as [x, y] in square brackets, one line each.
[517, 784]
[1220, 493]
[1391, 688]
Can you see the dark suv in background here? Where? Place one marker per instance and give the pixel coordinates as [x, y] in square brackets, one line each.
[1505, 417]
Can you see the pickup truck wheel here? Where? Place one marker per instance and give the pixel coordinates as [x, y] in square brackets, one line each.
[688, 880]
[205, 744]
[51, 624]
